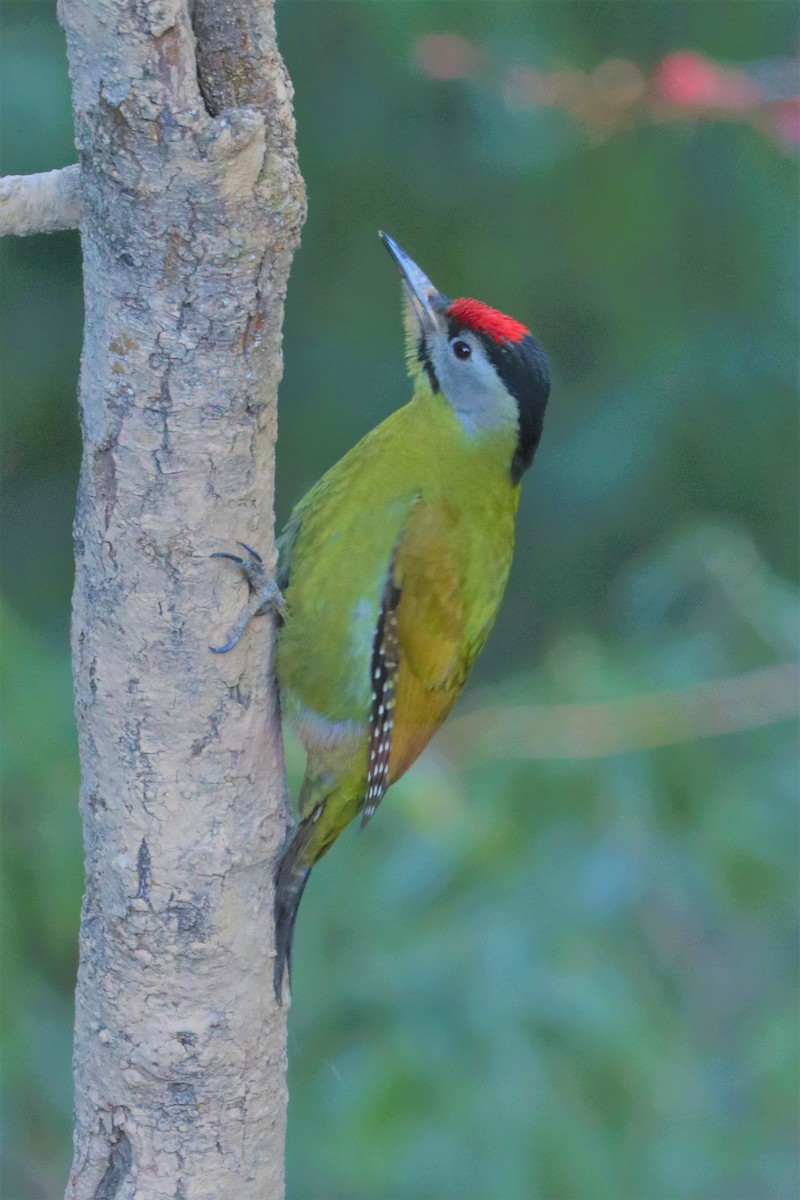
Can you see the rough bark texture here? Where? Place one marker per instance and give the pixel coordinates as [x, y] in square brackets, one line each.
[191, 207]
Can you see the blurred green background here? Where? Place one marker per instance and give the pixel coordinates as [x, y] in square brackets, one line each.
[548, 971]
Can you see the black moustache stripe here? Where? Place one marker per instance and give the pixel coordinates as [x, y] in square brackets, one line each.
[425, 358]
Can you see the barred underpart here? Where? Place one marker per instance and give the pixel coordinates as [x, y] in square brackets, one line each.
[385, 663]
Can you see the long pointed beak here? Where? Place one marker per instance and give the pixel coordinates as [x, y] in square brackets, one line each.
[429, 303]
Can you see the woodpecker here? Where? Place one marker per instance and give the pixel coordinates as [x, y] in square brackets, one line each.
[392, 568]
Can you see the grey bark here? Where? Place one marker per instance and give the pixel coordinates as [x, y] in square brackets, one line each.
[191, 207]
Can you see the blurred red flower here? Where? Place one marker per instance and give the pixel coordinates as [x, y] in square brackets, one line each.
[686, 79]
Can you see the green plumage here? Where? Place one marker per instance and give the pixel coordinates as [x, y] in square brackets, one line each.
[335, 551]
[392, 568]
[419, 478]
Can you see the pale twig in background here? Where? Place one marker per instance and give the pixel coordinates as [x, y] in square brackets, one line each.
[730, 705]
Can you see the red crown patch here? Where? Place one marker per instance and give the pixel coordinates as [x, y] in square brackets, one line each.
[482, 319]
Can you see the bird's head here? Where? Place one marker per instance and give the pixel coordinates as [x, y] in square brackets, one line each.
[488, 366]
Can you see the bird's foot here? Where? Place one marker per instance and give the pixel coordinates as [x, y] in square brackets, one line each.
[265, 595]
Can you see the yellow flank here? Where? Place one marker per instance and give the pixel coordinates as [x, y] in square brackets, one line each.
[432, 625]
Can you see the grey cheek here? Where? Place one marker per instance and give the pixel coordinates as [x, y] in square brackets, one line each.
[471, 389]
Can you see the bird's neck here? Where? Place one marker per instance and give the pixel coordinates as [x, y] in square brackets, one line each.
[447, 432]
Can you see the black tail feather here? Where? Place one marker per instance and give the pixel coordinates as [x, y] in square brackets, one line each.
[290, 882]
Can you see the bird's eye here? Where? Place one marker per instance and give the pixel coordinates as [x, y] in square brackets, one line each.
[461, 349]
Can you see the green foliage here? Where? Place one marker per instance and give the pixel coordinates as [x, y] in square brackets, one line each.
[562, 979]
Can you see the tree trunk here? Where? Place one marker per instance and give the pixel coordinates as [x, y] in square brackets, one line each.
[191, 206]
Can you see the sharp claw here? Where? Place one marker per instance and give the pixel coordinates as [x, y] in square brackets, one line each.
[227, 646]
[262, 594]
[253, 553]
[223, 554]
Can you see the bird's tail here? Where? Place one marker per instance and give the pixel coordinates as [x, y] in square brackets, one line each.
[329, 809]
[290, 881]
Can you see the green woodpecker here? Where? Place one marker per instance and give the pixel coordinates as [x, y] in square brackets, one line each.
[392, 568]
